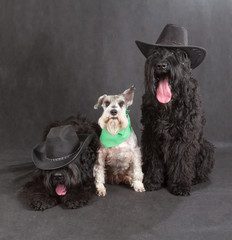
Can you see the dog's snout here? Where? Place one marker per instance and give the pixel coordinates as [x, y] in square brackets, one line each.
[113, 112]
[58, 176]
[161, 66]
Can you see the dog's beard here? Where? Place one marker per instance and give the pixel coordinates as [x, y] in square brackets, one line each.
[166, 84]
[71, 178]
[113, 124]
[56, 187]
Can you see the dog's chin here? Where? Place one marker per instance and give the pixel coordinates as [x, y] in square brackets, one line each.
[113, 126]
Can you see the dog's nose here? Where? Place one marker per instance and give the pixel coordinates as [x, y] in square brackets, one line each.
[113, 112]
[161, 66]
[57, 176]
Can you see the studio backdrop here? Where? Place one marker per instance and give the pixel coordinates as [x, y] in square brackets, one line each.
[58, 57]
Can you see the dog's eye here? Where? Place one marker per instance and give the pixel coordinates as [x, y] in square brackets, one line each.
[121, 103]
[107, 103]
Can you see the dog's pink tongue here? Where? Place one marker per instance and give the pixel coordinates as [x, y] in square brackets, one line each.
[163, 93]
[60, 190]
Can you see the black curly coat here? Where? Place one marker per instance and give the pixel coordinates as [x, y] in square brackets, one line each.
[175, 154]
[77, 177]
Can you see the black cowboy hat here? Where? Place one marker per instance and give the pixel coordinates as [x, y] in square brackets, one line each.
[174, 37]
[61, 147]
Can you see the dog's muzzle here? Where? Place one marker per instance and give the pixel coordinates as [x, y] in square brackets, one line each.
[163, 90]
[58, 180]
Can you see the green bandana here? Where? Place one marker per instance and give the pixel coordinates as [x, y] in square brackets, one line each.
[110, 141]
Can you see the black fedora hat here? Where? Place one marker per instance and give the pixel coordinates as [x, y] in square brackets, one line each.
[61, 147]
[173, 37]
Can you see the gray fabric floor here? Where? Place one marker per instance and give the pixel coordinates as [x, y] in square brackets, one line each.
[123, 213]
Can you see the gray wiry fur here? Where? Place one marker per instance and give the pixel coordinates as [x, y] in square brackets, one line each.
[121, 163]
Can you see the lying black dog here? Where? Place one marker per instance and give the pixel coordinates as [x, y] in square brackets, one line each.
[175, 154]
[64, 163]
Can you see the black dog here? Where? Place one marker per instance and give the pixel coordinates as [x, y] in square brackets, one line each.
[71, 185]
[175, 154]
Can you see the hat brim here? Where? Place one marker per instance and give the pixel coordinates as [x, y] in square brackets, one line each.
[42, 162]
[195, 54]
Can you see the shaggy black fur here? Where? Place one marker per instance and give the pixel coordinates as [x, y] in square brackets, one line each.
[77, 176]
[175, 154]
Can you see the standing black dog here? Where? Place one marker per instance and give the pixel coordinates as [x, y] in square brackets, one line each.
[64, 162]
[175, 154]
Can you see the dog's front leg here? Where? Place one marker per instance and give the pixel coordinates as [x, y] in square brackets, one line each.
[180, 166]
[137, 174]
[153, 162]
[99, 173]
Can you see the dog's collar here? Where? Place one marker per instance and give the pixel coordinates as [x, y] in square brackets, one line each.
[110, 141]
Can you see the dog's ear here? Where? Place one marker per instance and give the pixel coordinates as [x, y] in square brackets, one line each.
[129, 95]
[100, 101]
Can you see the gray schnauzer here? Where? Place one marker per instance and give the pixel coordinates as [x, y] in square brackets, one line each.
[119, 157]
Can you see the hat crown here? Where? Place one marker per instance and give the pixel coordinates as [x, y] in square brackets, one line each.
[61, 141]
[173, 35]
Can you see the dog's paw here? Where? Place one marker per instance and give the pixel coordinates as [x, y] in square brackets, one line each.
[152, 186]
[179, 190]
[138, 186]
[73, 204]
[199, 180]
[40, 205]
[101, 190]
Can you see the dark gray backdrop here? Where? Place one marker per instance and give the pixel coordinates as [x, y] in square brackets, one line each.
[58, 57]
